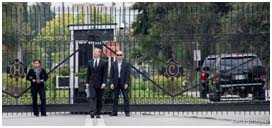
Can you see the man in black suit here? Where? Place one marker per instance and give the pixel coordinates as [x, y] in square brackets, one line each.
[96, 82]
[119, 75]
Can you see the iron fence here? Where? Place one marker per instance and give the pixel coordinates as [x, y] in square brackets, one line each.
[168, 46]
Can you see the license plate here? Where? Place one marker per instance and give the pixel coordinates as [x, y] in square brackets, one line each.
[240, 77]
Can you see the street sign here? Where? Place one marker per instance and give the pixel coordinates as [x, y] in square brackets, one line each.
[197, 56]
[113, 45]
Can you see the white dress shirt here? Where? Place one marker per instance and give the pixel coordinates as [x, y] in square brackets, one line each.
[119, 63]
[97, 62]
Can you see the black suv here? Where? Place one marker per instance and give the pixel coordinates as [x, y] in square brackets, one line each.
[237, 74]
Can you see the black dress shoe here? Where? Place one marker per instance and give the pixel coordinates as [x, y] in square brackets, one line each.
[37, 115]
[43, 115]
[127, 115]
[92, 114]
[113, 114]
[98, 116]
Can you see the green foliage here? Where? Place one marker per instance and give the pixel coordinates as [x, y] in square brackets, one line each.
[15, 27]
[172, 85]
[82, 73]
[250, 28]
[166, 28]
[139, 84]
[11, 85]
[14, 21]
[54, 37]
[41, 32]
[51, 82]
[41, 12]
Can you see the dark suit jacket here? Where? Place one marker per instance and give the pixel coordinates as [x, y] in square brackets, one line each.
[124, 75]
[31, 75]
[97, 76]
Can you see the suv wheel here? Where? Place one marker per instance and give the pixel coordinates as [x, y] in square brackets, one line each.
[204, 89]
[259, 93]
[214, 97]
[243, 94]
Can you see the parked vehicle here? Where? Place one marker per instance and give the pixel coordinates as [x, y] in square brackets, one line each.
[237, 74]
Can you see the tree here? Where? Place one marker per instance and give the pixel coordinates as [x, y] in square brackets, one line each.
[40, 13]
[20, 24]
[248, 26]
[55, 32]
[167, 30]
[170, 28]
[15, 28]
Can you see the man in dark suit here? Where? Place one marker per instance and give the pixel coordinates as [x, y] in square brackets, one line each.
[96, 82]
[119, 75]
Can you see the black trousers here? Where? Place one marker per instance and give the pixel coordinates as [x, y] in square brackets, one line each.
[35, 89]
[95, 99]
[116, 94]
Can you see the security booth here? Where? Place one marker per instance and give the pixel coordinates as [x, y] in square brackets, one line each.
[83, 39]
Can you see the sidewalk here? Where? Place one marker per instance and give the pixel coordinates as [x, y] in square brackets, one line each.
[137, 119]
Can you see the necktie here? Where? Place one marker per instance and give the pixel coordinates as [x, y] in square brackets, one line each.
[95, 64]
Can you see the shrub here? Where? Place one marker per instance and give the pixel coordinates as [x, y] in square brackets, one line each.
[12, 86]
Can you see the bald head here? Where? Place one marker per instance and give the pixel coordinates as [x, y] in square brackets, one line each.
[119, 55]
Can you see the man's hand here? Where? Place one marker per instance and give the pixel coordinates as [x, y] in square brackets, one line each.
[33, 80]
[112, 86]
[126, 86]
[103, 86]
[41, 80]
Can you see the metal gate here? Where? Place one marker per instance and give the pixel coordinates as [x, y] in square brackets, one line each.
[167, 45]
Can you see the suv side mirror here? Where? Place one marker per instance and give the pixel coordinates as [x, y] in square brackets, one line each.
[206, 68]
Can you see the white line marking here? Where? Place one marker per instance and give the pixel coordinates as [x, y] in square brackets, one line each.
[94, 121]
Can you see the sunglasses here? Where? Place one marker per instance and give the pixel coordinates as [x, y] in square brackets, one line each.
[119, 54]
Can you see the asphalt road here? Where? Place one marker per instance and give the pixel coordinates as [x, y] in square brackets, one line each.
[141, 119]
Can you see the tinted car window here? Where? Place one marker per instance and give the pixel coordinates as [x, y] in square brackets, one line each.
[244, 62]
[209, 63]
